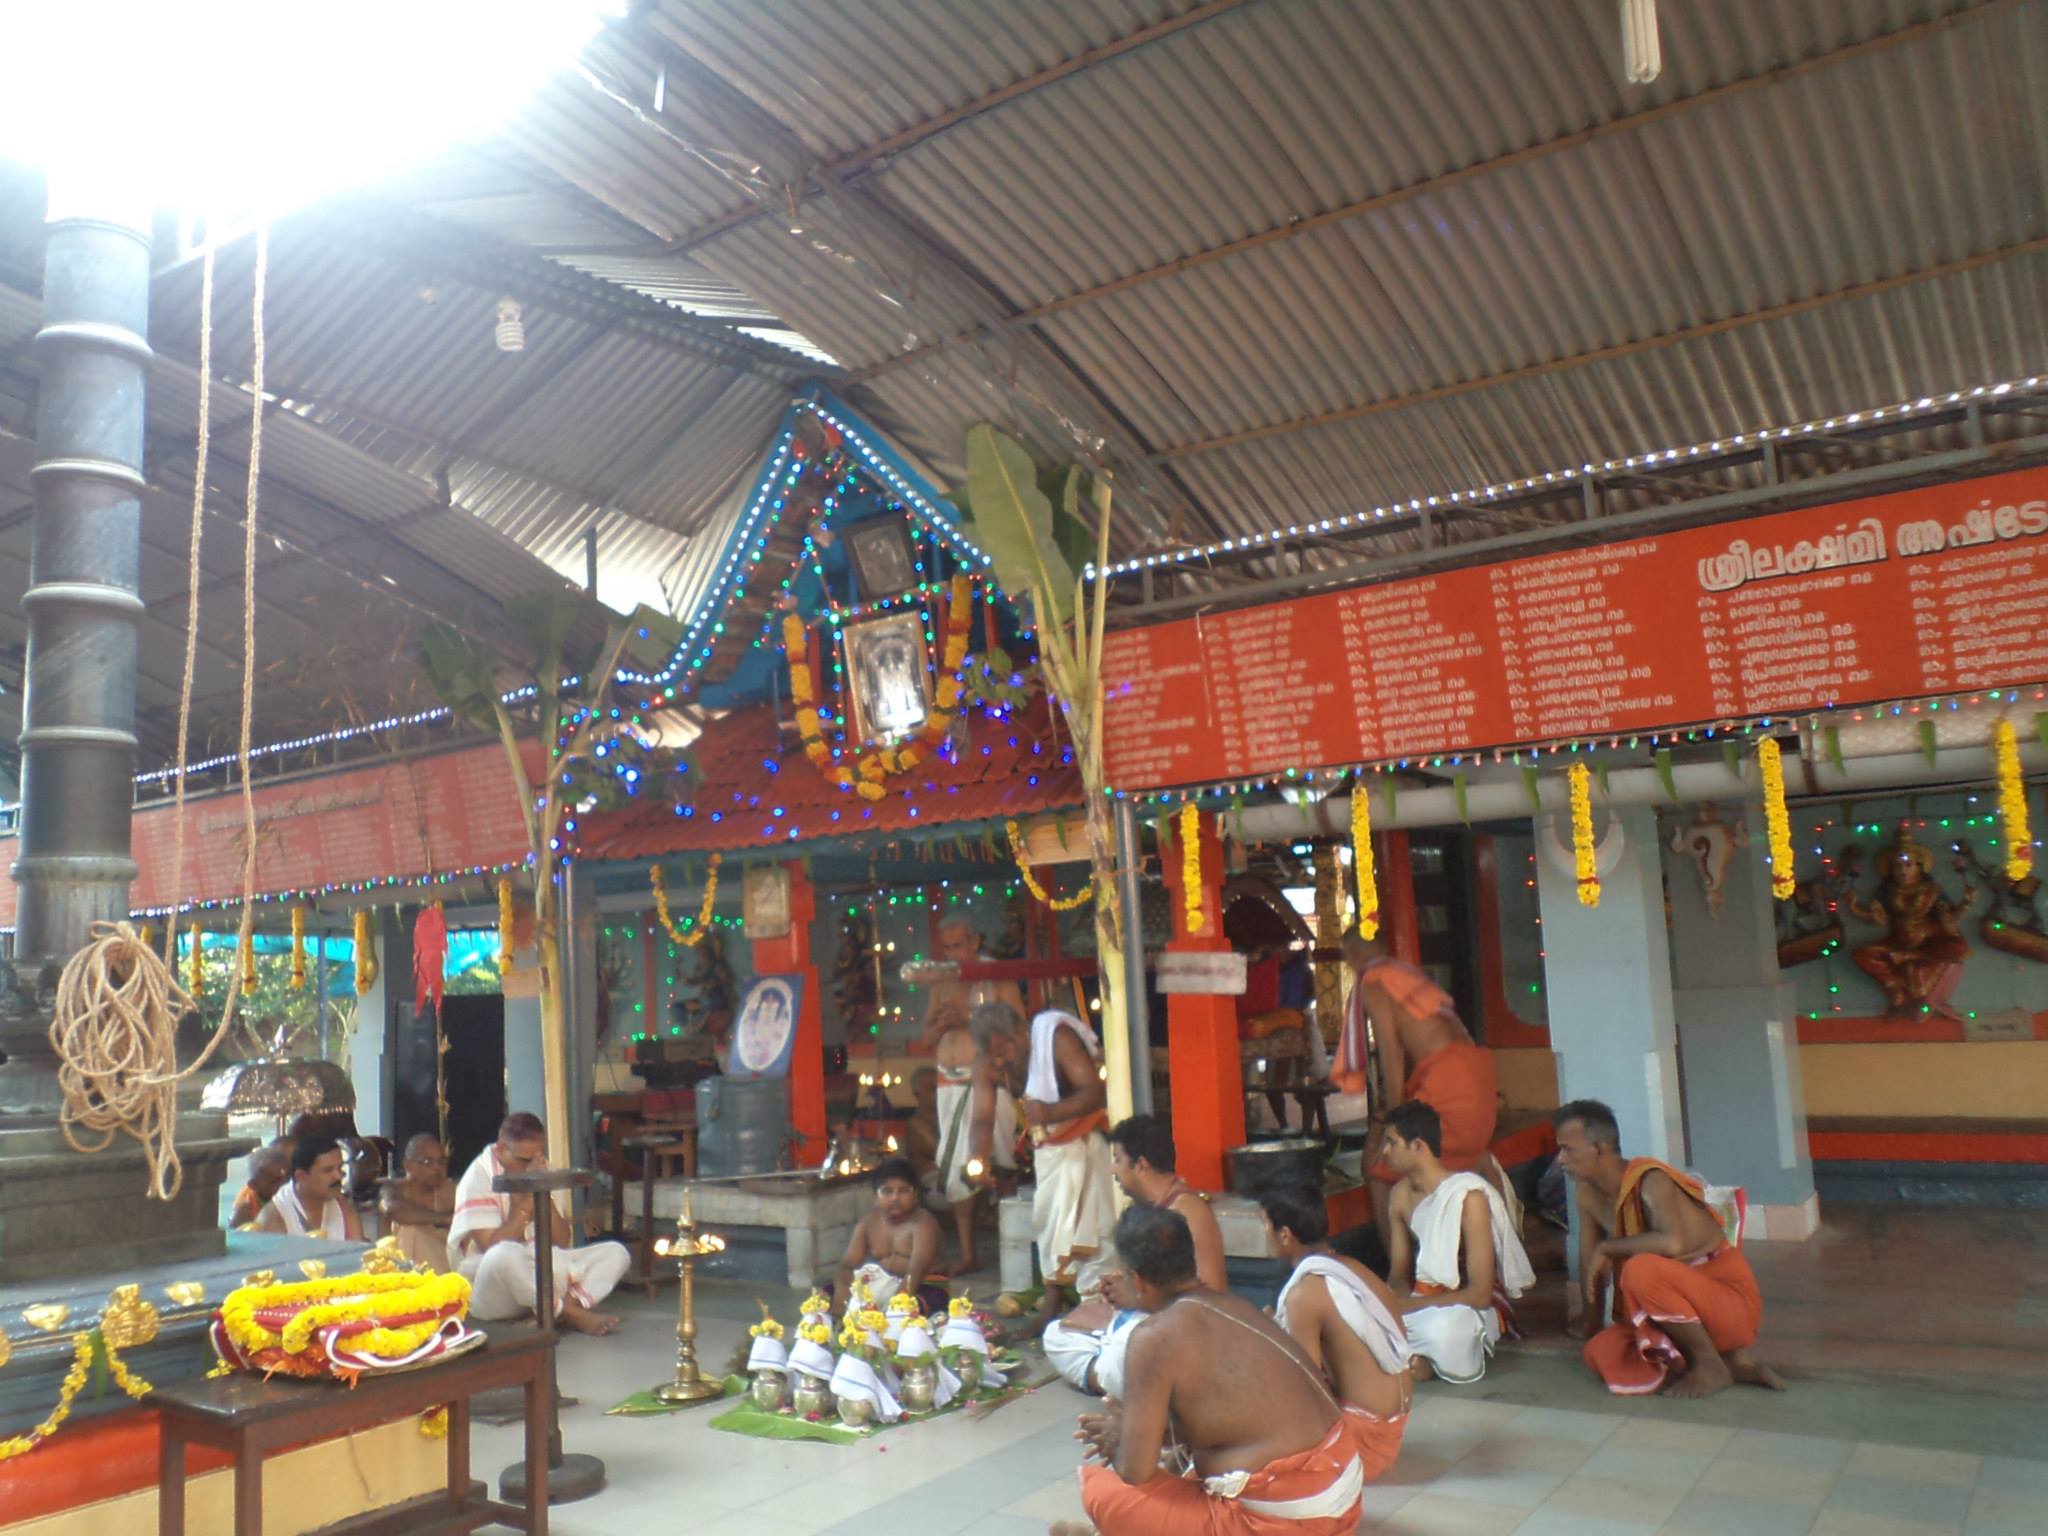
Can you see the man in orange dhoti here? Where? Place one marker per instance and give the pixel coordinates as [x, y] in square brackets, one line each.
[1266, 1448]
[1687, 1307]
[1425, 1053]
[1345, 1319]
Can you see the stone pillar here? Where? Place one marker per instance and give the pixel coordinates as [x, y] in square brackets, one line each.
[525, 1065]
[791, 956]
[377, 1021]
[1607, 970]
[1737, 1036]
[1203, 1065]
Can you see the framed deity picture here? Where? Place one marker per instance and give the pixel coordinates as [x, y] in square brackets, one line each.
[881, 557]
[764, 906]
[892, 681]
[764, 1029]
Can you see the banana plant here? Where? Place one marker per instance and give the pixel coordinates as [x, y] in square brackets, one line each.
[1040, 541]
[571, 696]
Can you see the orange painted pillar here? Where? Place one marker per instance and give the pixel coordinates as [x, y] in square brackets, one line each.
[1396, 876]
[1205, 1070]
[791, 956]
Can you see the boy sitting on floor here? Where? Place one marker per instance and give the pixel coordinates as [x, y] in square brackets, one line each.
[893, 1247]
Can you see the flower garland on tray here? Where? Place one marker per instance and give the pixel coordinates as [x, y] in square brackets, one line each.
[1584, 864]
[659, 882]
[2012, 803]
[342, 1326]
[868, 775]
[1777, 820]
[1038, 892]
[1362, 865]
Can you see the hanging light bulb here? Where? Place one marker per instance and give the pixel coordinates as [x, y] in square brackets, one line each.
[1642, 59]
[511, 329]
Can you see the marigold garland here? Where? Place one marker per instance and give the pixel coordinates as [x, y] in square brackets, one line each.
[1038, 892]
[396, 1302]
[366, 952]
[2012, 803]
[195, 966]
[1777, 821]
[866, 777]
[83, 1346]
[1362, 864]
[298, 949]
[1191, 866]
[659, 882]
[507, 914]
[1588, 871]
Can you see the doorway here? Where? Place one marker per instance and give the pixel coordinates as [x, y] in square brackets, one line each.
[475, 1073]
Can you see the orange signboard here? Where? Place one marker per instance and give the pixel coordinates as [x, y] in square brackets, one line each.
[1920, 592]
[415, 817]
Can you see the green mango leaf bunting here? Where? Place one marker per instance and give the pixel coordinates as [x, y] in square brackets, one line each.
[1666, 774]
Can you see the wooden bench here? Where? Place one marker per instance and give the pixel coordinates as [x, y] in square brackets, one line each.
[246, 1417]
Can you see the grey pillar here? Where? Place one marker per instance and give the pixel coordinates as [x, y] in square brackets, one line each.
[1137, 1001]
[1745, 1114]
[78, 713]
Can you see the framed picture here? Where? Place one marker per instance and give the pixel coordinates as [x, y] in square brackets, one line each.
[881, 557]
[891, 678]
[764, 1029]
[764, 907]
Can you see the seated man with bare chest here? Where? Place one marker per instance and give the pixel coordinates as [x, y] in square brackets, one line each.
[1265, 1449]
[894, 1246]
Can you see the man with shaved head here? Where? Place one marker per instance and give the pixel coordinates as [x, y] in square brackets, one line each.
[418, 1207]
[269, 1167]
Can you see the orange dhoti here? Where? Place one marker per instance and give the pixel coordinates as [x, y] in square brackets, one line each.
[1457, 1082]
[1312, 1493]
[1635, 1356]
[1377, 1440]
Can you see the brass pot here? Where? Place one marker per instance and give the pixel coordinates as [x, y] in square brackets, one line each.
[810, 1395]
[770, 1390]
[856, 1412]
[920, 1385]
[969, 1369]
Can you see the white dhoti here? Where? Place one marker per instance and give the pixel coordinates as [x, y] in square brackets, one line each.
[1073, 1210]
[1454, 1340]
[501, 1279]
[1076, 1352]
[955, 1120]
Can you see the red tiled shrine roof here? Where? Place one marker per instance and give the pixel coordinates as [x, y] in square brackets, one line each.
[753, 790]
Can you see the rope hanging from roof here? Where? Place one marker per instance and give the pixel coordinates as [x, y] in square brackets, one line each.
[118, 1002]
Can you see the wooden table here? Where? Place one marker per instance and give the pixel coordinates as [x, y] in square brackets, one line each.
[247, 1416]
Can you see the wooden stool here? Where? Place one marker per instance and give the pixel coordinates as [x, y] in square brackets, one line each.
[650, 1148]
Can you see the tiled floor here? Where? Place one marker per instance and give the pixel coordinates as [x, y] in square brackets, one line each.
[1469, 1466]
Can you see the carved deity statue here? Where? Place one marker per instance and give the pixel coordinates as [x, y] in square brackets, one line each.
[1919, 958]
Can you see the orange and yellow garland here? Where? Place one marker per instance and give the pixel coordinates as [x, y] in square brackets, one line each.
[298, 949]
[1362, 864]
[1777, 820]
[1191, 867]
[867, 775]
[1038, 892]
[1584, 863]
[659, 882]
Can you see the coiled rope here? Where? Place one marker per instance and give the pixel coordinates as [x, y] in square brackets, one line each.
[118, 1003]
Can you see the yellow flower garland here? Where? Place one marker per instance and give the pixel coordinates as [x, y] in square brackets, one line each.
[1191, 866]
[1588, 871]
[507, 917]
[659, 882]
[867, 775]
[1777, 821]
[1362, 864]
[67, 1393]
[2012, 803]
[298, 949]
[366, 952]
[195, 966]
[1038, 892]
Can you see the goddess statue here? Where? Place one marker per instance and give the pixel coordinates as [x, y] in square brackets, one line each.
[1919, 959]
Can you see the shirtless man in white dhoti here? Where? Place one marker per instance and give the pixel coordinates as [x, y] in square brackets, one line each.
[310, 1202]
[977, 1117]
[490, 1241]
[1073, 1206]
[1457, 1259]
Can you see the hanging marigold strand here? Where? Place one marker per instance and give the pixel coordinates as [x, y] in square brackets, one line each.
[1038, 892]
[507, 913]
[1191, 866]
[366, 952]
[195, 966]
[2012, 803]
[659, 882]
[1588, 872]
[1777, 820]
[73, 1384]
[298, 949]
[1362, 864]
